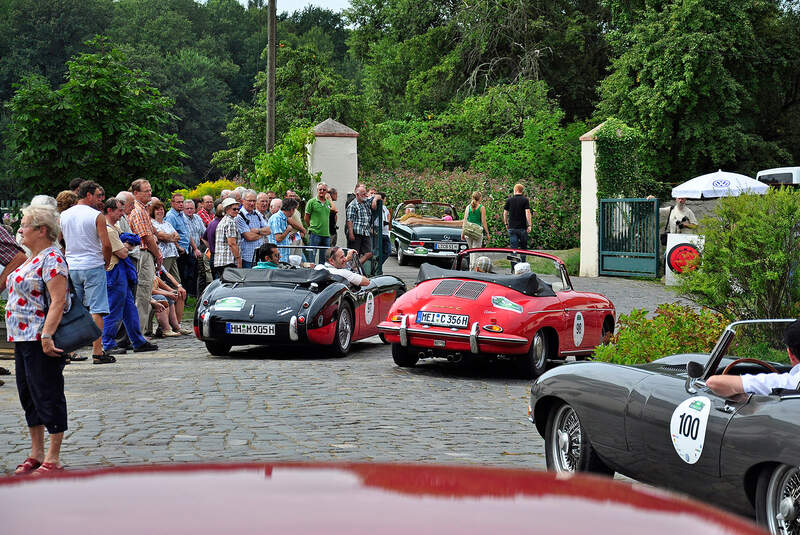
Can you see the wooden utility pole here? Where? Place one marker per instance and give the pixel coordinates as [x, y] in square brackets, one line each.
[271, 46]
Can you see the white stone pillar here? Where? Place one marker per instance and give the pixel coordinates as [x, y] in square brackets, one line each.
[590, 252]
[334, 153]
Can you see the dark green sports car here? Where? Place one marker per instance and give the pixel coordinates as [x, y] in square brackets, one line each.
[422, 230]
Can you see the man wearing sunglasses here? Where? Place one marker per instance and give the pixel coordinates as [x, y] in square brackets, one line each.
[226, 243]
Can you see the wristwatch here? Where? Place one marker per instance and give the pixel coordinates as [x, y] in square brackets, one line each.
[47, 336]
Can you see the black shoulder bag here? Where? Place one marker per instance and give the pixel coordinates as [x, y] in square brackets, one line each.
[77, 328]
[666, 227]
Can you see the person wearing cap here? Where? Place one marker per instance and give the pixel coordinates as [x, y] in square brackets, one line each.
[521, 268]
[483, 264]
[763, 383]
[226, 241]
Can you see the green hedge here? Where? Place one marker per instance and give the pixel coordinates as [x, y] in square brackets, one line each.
[555, 208]
[674, 329]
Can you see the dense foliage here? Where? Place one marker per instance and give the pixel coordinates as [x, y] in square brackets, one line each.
[106, 123]
[673, 329]
[750, 262]
[555, 210]
[501, 87]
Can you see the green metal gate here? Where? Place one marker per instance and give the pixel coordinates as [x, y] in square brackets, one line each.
[629, 237]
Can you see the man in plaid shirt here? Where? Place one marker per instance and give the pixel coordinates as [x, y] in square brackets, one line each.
[150, 255]
[359, 229]
[226, 242]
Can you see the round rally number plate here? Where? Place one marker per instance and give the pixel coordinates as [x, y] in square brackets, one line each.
[688, 428]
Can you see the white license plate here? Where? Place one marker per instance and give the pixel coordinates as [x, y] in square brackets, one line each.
[441, 319]
[258, 329]
[447, 246]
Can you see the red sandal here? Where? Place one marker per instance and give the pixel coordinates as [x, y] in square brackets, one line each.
[28, 465]
[47, 468]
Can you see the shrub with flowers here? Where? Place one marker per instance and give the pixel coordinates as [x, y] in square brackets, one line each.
[213, 188]
[555, 209]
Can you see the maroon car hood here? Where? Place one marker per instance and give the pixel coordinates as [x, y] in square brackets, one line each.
[345, 499]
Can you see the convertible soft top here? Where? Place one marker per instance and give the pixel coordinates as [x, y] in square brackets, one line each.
[526, 283]
[291, 276]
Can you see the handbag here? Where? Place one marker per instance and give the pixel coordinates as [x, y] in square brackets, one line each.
[663, 235]
[77, 328]
[472, 230]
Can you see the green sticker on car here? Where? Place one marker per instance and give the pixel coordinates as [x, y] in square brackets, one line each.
[234, 304]
[420, 250]
[506, 304]
[697, 405]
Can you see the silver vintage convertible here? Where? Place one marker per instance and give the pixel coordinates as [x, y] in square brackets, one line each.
[661, 424]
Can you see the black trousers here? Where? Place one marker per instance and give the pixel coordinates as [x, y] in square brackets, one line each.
[187, 267]
[40, 383]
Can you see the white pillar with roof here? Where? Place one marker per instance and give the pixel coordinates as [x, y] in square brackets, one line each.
[334, 153]
[590, 246]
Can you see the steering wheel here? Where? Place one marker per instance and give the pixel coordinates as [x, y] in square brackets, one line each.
[761, 363]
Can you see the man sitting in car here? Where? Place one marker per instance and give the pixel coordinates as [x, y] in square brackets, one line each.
[335, 263]
[267, 257]
[763, 383]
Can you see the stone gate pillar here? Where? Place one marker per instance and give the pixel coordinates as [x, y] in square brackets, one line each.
[334, 153]
[590, 252]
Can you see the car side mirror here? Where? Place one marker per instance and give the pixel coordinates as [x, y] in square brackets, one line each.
[694, 369]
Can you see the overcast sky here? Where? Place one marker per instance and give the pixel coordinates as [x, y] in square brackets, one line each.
[297, 5]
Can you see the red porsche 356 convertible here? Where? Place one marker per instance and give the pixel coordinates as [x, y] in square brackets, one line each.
[491, 304]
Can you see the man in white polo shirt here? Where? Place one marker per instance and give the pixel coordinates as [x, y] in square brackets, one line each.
[88, 254]
[336, 262]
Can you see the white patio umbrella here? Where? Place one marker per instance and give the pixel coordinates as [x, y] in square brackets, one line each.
[719, 184]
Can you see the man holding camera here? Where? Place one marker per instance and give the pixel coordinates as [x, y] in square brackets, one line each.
[680, 218]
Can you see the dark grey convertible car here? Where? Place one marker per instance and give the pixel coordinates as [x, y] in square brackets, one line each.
[659, 423]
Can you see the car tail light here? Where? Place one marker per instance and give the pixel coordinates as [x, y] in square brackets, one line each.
[416, 243]
[197, 331]
[397, 318]
[493, 328]
[306, 305]
[301, 320]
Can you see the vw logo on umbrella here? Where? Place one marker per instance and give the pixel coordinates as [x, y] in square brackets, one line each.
[721, 183]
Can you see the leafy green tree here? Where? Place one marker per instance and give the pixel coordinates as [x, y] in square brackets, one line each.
[39, 37]
[106, 123]
[685, 76]
[309, 92]
[286, 166]
[750, 262]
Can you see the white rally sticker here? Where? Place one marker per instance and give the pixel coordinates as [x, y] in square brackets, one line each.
[688, 428]
[577, 329]
[369, 309]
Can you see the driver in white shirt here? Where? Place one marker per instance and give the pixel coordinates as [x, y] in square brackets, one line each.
[335, 263]
[763, 383]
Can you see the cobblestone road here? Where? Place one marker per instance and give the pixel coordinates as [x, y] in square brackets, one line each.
[182, 404]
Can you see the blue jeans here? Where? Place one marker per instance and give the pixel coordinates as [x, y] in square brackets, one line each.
[121, 308]
[319, 241]
[387, 248]
[518, 238]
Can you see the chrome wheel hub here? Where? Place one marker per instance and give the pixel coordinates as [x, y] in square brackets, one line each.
[566, 446]
[783, 501]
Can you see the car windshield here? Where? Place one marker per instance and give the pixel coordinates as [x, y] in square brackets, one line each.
[507, 263]
[760, 340]
[426, 210]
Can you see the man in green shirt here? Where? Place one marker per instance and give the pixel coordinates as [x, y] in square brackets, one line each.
[318, 211]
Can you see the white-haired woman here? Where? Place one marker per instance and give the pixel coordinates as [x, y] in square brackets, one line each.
[31, 322]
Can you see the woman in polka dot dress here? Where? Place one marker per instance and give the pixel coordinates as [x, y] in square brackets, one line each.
[31, 324]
